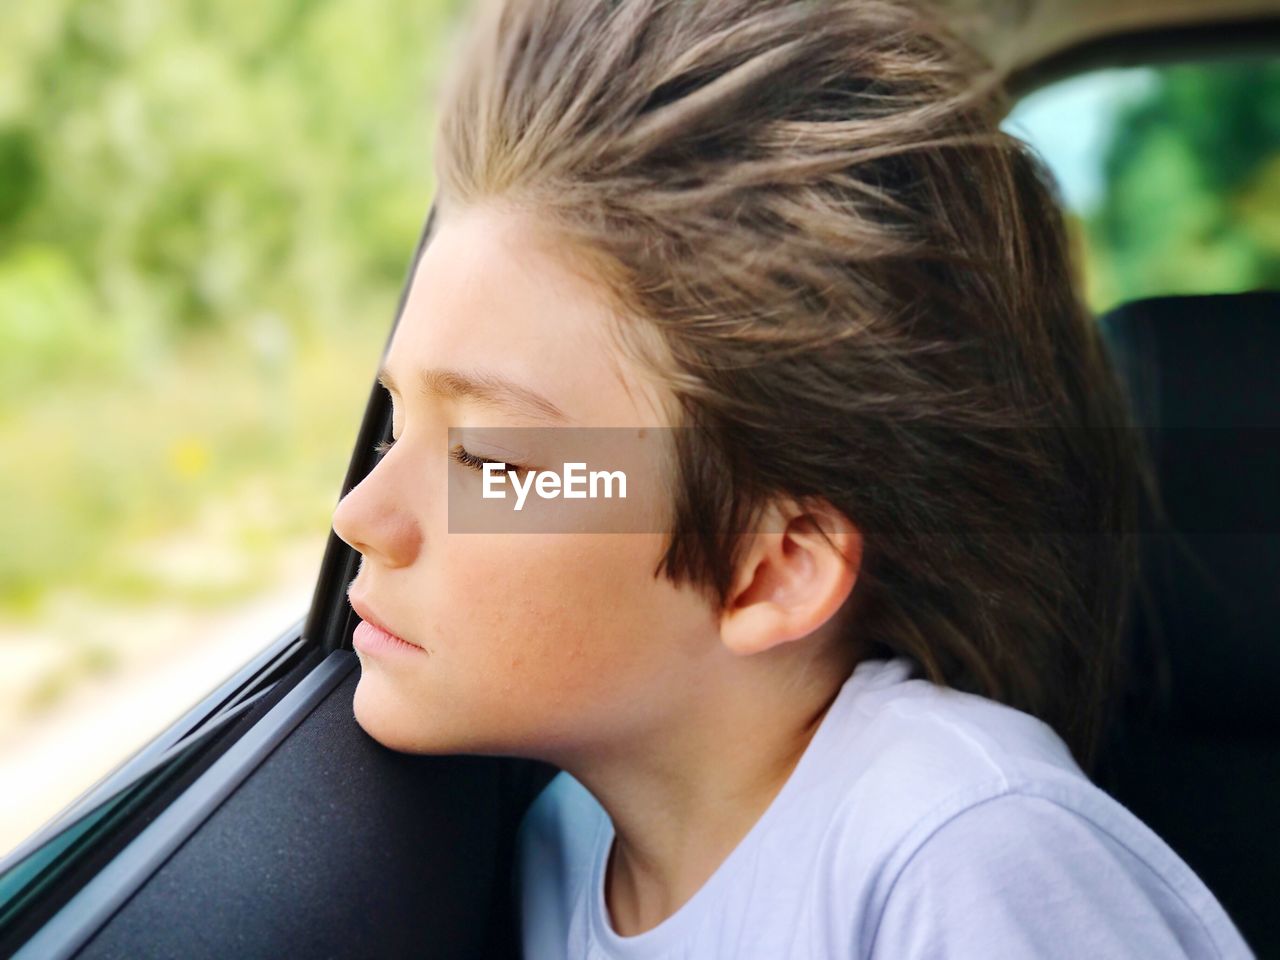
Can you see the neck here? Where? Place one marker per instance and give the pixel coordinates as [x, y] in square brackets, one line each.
[684, 798]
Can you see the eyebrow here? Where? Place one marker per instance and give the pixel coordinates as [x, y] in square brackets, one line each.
[482, 387]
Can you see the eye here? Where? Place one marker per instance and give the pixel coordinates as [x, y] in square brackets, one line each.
[461, 455]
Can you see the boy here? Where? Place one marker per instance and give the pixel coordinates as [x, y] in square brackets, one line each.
[841, 701]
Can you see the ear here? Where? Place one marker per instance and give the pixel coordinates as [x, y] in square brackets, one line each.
[790, 580]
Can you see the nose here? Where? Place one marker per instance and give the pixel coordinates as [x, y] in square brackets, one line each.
[377, 520]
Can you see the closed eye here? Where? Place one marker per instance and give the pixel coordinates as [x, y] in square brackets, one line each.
[459, 454]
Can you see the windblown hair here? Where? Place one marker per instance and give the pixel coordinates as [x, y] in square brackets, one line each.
[864, 294]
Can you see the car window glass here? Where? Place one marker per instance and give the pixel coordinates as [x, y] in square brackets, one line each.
[206, 215]
[1170, 174]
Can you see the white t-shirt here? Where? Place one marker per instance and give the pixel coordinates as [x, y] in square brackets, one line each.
[920, 822]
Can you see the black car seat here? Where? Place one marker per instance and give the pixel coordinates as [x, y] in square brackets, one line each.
[1195, 750]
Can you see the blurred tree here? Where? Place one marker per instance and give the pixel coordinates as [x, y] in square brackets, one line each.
[1192, 178]
[206, 211]
[19, 175]
[196, 164]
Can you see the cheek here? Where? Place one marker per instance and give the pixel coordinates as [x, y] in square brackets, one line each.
[558, 616]
[540, 645]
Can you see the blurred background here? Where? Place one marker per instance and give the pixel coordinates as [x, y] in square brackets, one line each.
[1170, 175]
[206, 214]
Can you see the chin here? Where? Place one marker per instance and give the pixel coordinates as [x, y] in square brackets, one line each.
[386, 717]
[403, 721]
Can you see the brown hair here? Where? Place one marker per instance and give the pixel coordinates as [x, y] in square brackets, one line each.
[864, 294]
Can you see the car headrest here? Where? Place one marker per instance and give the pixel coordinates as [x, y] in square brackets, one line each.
[1201, 376]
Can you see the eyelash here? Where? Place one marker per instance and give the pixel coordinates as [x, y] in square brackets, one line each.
[459, 454]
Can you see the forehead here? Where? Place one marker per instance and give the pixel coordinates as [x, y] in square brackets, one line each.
[492, 291]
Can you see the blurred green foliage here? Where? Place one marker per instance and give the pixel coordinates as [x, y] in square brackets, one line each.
[1192, 186]
[206, 212]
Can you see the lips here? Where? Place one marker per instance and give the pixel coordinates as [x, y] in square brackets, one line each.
[365, 612]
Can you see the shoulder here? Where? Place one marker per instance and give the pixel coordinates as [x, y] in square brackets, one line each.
[911, 752]
[949, 735]
[1047, 869]
[564, 804]
[965, 828]
[558, 832]
[555, 845]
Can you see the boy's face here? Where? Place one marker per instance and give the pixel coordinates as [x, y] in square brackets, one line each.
[542, 644]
